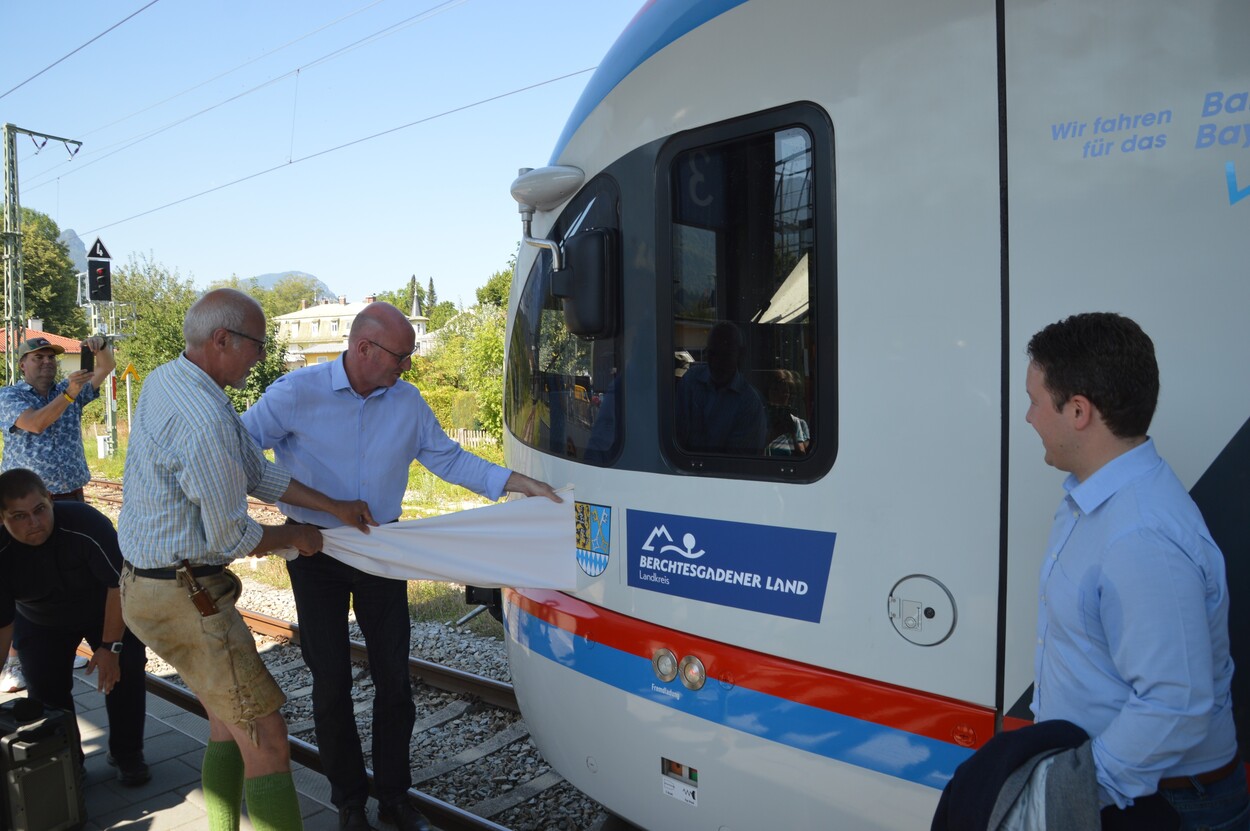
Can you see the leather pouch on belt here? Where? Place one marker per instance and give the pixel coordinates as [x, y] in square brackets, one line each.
[199, 595]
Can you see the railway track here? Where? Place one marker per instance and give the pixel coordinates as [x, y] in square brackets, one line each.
[106, 490]
[488, 690]
[444, 815]
[458, 694]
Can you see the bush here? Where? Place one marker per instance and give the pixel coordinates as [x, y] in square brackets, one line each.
[464, 411]
[441, 401]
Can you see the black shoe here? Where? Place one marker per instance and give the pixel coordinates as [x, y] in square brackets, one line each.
[354, 818]
[403, 816]
[130, 774]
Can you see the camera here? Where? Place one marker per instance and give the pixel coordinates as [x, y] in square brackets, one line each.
[88, 358]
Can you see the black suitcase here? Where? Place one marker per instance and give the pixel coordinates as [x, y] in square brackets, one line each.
[42, 780]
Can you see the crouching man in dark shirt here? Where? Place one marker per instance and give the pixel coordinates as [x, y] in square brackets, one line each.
[59, 570]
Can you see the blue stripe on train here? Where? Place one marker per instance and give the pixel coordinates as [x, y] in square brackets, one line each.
[655, 27]
[833, 735]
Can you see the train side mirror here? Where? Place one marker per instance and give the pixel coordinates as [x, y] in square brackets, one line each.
[589, 283]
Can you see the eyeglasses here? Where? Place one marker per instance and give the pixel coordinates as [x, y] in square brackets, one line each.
[261, 345]
[399, 357]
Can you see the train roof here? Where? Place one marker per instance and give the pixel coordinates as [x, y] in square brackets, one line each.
[657, 24]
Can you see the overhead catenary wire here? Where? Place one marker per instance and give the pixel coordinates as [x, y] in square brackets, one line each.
[343, 146]
[234, 69]
[79, 49]
[47, 176]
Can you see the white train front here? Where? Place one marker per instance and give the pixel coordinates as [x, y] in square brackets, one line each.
[807, 597]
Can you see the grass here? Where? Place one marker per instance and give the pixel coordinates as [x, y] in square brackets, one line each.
[426, 495]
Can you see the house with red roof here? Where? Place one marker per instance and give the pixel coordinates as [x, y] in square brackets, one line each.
[69, 362]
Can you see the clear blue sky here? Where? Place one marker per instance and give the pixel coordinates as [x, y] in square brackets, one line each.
[429, 199]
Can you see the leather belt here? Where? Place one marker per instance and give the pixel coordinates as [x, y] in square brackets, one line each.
[1174, 783]
[290, 521]
[171, 573]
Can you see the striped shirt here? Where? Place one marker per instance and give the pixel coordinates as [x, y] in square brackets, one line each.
[189, 468]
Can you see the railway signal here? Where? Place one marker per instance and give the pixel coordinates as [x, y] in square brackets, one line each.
[99, 281]
[99, 273]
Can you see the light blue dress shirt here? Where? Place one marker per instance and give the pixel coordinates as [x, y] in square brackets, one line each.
[353, 447]
[189, 468]
[1132, 627]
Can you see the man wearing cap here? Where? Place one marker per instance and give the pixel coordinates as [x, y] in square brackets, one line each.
[42, 418]
[42, 423]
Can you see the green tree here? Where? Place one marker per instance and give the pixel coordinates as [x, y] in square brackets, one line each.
[441, 400]
[51, 284]
[159, 299]
[402, 298]
[287, 294]
[266, 371]
[464, 411]
[249, 286]
[449, 360]
[485, 367]
[468, 356]
[440, 314]
[431, 297]
[497, 288]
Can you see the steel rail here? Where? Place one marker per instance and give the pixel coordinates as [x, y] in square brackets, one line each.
[496, 693]
[444, 815]
[109, 484]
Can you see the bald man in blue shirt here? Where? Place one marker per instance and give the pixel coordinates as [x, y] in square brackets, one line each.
[353, 426]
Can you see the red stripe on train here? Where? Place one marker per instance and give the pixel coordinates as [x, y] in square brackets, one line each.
[924, 714]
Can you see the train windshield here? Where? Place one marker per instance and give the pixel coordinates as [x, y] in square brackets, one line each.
[563, 392]
[724, 236]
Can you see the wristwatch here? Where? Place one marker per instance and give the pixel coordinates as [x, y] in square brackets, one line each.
[112, 646]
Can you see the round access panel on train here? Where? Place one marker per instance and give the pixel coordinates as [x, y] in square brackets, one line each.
[922, 610]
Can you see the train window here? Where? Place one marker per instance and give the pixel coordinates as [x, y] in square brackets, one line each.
[563, 392]
[749, 271]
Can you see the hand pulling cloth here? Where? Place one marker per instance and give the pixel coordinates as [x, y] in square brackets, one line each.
[524, 543]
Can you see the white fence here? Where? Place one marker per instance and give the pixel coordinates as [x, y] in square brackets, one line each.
[471, 438]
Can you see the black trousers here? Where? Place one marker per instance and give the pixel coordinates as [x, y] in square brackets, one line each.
[47, 656]
[324, 591]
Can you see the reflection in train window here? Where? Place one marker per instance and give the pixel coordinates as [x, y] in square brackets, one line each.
[563, 392]
[743, 337]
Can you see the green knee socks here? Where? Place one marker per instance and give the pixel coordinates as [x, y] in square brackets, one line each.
[272, 804]
[222, 774]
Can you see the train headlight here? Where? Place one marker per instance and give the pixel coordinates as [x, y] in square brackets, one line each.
[664, 662]
[692, 672]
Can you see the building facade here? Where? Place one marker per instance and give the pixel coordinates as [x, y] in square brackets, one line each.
[317, 332]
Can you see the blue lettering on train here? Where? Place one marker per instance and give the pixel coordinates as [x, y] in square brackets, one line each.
[760, 568]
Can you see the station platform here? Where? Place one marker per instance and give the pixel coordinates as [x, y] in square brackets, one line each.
[174, 742]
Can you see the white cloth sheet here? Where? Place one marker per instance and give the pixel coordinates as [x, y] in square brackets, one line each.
[523, 543]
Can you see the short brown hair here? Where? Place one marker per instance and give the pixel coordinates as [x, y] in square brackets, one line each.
[1107, 358]
[19, 482]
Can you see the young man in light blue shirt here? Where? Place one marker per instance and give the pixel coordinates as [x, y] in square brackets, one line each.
[1132, 626]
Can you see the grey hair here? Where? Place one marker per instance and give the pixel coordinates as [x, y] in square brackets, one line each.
[218, 309]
